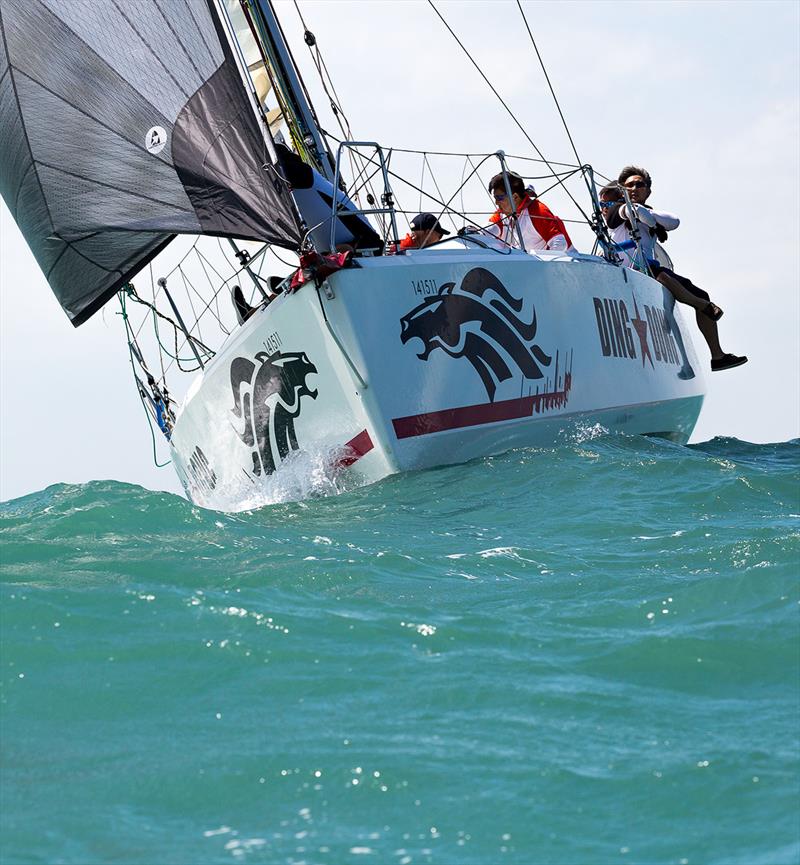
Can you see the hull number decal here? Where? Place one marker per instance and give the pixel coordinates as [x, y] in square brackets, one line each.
[424, 287]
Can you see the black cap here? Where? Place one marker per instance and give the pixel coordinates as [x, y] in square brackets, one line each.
[427, 222]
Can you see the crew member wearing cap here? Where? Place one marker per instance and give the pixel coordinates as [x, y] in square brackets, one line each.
[425, 231]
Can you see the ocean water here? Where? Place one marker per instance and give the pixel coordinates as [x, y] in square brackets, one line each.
[581, 655]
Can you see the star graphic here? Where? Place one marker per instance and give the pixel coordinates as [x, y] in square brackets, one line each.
[640, 325]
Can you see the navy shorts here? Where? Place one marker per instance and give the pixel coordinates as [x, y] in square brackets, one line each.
[657, 269]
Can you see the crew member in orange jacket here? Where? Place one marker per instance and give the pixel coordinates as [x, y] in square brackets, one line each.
[541, 228]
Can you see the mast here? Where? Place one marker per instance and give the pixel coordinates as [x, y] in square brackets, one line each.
[289, 89]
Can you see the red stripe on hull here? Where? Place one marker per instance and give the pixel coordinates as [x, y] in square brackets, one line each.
[475, 415]
[355, 449]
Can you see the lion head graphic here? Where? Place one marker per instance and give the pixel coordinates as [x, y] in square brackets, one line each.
[267, 397]
[478, 320]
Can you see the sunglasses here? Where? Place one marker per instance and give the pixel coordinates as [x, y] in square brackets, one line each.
[636, 184]
[500, 196]
[609, 203]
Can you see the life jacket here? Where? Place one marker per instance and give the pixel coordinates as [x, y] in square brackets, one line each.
[406, 243]
[545, 223]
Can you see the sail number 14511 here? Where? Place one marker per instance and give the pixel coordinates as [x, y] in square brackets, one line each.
[424, 286]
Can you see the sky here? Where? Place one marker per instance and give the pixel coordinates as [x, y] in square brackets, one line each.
[703, 94]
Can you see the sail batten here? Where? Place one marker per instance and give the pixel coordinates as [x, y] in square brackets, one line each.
[121, 127]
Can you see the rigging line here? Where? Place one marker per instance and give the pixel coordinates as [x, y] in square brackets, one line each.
[422, 181]
[433, 178]
[215, 293]
[137, 298]
[287, 263]
[205, 260]
[467, 160]
[335, 101]
[225, 256]
[207, 307]
[300, 79]
[549, 84]
[416, 188]
[177, 266]
[187, 285]
[144, 320]
[432, 197]
[508, 156]
[357, 189]
[469, 177]
[554, 185]
[288, 115]
[320, 64]
[336, 107]
[155, 328]
[169, 354]
[136, 379]
[454, 153]
[354, 183]
[505, 105]
[365, 184]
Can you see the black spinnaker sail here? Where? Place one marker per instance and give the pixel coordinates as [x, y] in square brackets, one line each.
[121, 125]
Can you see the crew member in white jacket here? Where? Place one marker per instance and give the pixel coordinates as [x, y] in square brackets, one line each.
[635, 230]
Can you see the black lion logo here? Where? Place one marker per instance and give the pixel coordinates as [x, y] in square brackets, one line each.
[267, 398]
[448, 321]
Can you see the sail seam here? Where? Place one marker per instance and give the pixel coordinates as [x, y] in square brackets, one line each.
[66, 245]
[31, 164]
[153, 53]
[116, 189]
[13, 80]
[88, 311]
[178, 40]
[120, 270]
[199, 30]
[71, 246]
[122, 83]
[97, 120]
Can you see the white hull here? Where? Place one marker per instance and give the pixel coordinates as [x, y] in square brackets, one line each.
[431, 358]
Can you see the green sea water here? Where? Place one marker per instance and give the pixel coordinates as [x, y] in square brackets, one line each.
[581, 655]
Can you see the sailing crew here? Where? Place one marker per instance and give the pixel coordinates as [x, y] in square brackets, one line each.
[635, 231]
[541, 229]
[425, 231]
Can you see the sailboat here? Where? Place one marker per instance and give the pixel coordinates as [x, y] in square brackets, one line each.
[127, 128]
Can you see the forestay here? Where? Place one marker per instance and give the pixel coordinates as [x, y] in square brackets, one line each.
[122, 125]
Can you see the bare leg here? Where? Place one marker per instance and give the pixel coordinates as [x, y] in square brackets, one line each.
[680, 293]
[706, 325]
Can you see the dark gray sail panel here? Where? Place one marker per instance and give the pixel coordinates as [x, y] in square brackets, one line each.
[122, 124]
[224, 177]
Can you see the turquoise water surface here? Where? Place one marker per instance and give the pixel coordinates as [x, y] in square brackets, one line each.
[580, 655]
